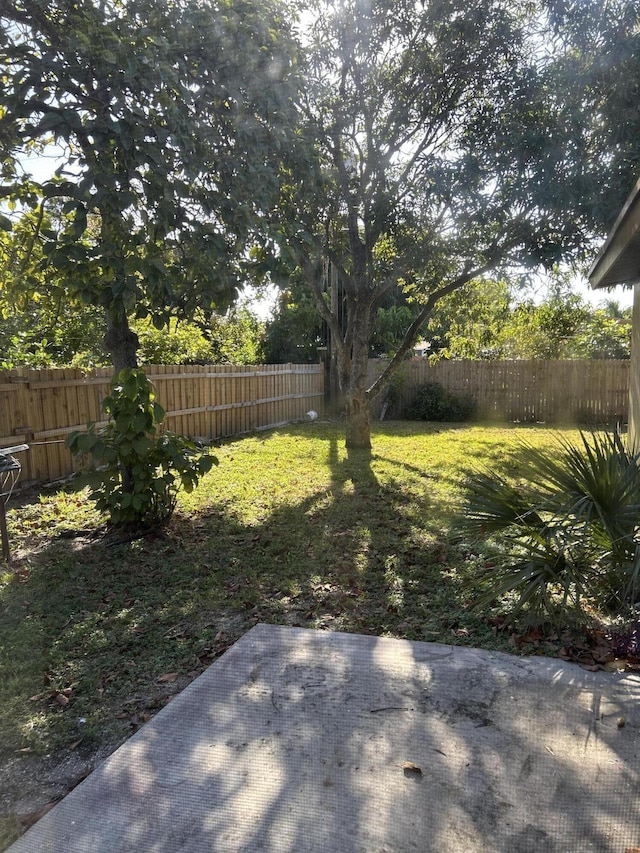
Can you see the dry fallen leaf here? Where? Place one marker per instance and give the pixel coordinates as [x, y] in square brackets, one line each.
[168, 678]
[38, 696]
[411, 769]
[616, 665]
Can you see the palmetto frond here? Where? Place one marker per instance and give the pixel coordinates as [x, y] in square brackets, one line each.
[569, 523]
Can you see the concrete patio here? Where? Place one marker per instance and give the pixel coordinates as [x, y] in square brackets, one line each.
[299, 740]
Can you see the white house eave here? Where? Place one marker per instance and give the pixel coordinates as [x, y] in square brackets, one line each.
[618, 261]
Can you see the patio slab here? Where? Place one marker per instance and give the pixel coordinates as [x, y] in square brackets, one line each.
[298, 740]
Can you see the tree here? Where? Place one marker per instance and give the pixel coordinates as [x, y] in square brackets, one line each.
[44, 324]
[599, 66]
[484, 320]
[166, 117]
[543, 331]
[233, 338]
[445, 150]
[468, 322]
[296, 330]
[601, 336]
[34, 303]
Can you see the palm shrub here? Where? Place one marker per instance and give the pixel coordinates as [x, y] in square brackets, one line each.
[567, 528]
[136, 471]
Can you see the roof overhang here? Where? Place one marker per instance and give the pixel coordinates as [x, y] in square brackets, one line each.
[618, 261]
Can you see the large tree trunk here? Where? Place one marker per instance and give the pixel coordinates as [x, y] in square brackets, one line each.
[357, 403]
[120, 341]
[358, 424]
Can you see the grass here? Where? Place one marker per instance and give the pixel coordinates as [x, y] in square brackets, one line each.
[97, 634]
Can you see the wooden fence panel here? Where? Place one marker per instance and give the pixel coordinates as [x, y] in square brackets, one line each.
[573, 391]
[41, 407]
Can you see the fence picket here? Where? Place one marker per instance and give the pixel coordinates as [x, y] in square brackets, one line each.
[218, 401]
[571, 391]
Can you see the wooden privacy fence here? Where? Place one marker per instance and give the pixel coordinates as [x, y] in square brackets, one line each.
[40, 407]
[573, 391]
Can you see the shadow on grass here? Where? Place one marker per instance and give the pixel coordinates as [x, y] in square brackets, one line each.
[95, 638]
[299, 741]
[106, 623]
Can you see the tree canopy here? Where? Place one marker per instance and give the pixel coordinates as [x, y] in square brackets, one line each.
[597, 65]
[448, 146]
[397, 149]
[166, 117]
[483, 320]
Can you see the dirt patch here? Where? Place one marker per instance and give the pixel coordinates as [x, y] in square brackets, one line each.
[31, 784]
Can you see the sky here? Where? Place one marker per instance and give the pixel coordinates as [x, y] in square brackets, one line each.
[622, 295]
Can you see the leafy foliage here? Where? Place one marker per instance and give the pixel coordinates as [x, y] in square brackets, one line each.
[34, 302]
[179, 343]
[485, 319]
[165, 118]
[137, 470]
[296, 330]
[601, 336]
[432, 402]
[600, 63]
[543, 331]
[449, 146]
[468, 322]
[232, 338]
[43, 324]
[236, 337]
[568, 526]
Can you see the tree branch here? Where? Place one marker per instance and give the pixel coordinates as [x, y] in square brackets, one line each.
[411, 335]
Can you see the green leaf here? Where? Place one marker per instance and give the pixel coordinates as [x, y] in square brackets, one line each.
[141, 422]
[123, 423]
[141, 445]
[85, 443]
[48, 122]
[130, 387]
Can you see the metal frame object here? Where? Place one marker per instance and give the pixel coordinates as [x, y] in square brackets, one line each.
[10, 469]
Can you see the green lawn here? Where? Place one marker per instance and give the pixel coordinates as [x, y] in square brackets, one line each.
[96, 635]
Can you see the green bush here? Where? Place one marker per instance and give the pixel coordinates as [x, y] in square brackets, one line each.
[176, 343]
[135, 471]
[432, 402]
[567, 528]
